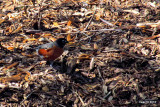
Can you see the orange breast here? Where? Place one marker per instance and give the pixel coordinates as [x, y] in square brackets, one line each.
[42, 52]
[52, 53]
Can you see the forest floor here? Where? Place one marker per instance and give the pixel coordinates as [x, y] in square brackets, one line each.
[112, 58]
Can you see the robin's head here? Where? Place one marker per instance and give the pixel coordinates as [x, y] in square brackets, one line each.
[61, 42]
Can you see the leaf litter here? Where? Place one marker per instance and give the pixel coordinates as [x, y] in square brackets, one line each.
[112, 58]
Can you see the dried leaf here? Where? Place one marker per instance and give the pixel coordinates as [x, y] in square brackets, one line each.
[117, 78]
[88, 75]
[98, 15]
[95, 46]
[136, 12]
[12, 65]
[145, 51]
[45, 22]
[152, 37]
[84, 56]
[61, 78]
[10, 48]
[52, 39]
[45, 89]
[28, 74]
[17, 30]
[30, 39]
[55, 24]
[84, 47]
[20, 76]
[28, 55]
[148, 25]
[13, 78]
[79, 14]
[91, 87]
[47, 34]
[10, 30]
[110, 98]
[69, 23]
[113, 84]
[107, 22]
[92, 63]
[1, 21]
[69, 38]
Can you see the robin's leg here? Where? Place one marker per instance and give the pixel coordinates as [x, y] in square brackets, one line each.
[51, 63]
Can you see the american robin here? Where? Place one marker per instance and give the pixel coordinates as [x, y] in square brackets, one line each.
[51, 51]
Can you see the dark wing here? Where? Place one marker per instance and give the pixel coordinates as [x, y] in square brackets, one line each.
[47, 45]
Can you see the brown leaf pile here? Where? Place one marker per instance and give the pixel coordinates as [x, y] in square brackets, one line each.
[112, 58]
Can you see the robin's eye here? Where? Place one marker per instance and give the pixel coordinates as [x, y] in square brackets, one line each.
[63, 41]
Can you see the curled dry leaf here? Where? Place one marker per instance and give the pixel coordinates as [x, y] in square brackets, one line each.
[110, 98]
[45, 89]
[92, 87]
[146, 25]
[84, 56]
[13, 78]
[55, 24]
[118, 70]
[105, 89]
[136, 11]
[152, 37]
[98, 15]
[46, 35]
[30, 39]
[28, 55]
[113, 79]
[61, 78]
[69, 23]
[113, 84]
[10, 48]
[69, 38]
[92, 63]
[1, 21]
[52, 39]
[12, 65]
[17, 30]
[145, 51]
[95, 46]
[89, 75]
[28, 74]
[84, 47]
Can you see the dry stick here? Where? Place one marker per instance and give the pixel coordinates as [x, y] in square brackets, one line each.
[40, 14]
[99, 73]
[154, 31]
[39, 21]
[100, 30]
[83, 104]
[107, 22]
[90, 21]
[27, 96]
[39, 18]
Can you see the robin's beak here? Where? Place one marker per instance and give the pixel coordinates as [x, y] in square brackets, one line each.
[67, 42]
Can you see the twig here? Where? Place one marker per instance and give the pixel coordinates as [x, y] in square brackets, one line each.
[27, 96]
[39, 18]
[107, 22]
[154, 31]
[100, 30]
[90, 21]
[100, 75]
[83, 104]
